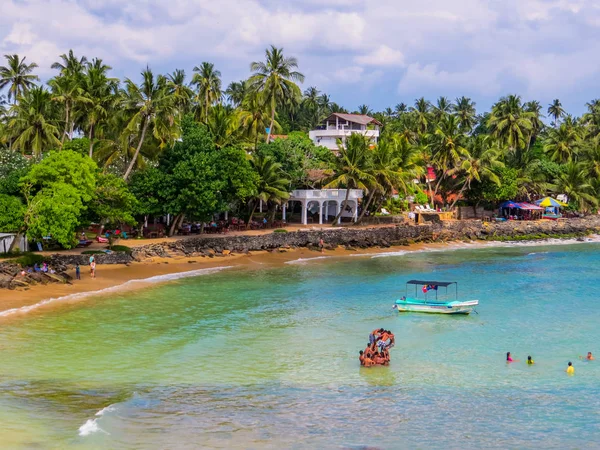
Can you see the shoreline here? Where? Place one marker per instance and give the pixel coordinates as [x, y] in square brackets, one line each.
[143, 275]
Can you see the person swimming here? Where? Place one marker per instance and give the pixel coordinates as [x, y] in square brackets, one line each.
[589, 357]
[570, 369]
[530, 361]
[509, 358]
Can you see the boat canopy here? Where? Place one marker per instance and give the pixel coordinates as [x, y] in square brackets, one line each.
[431, 283]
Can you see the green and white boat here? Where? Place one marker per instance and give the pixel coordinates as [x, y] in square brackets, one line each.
[425, 303]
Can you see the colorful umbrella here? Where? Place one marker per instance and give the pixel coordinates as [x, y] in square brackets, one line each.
[509, 204]
[549, 202]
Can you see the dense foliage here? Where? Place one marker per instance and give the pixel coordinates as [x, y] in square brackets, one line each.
[88, 147]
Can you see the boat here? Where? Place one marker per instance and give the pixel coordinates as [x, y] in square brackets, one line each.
[426, 304]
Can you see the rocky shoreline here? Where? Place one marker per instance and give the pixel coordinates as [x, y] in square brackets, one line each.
[349, 238]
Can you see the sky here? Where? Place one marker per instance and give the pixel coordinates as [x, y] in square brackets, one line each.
[374, 52]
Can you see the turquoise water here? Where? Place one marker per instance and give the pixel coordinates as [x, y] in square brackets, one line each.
[268, 359]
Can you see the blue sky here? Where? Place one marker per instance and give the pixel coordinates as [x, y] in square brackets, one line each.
[378, 52]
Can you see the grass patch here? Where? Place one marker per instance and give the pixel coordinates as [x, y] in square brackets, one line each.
[93, 252]
[280, 230]
[29, 259]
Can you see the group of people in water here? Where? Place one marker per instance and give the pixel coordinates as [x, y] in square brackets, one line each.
[377, 352]
[570, 369]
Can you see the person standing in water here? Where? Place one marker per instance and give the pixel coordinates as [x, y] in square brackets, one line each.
[570, 369]
[509, 358]
[322, 245]
[530, 361]
[589, 357]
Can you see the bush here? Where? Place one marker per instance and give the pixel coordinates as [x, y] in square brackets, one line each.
[92, 252]
[421, 198]
[120, 248]
[29, 259]
[280, 230]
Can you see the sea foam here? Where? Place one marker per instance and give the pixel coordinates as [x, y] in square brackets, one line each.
[80, 295]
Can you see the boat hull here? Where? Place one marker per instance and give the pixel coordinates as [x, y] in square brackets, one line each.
[436, 307]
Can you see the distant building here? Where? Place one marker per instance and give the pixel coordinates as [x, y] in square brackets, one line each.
[340, 126]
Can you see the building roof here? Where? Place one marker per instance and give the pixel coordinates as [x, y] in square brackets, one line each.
[356, 118]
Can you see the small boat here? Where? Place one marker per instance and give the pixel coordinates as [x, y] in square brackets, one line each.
[426, 304]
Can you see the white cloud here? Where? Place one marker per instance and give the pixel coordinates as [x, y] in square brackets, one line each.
[481, 47]
[382, 56]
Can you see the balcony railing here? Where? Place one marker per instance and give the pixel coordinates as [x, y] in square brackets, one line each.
[326, 194]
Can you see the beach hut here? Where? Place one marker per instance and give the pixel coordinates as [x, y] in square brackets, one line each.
[512, 210]
[552, 207]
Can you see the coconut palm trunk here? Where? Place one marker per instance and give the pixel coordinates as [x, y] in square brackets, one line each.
[91, 138]
[365, 209]
[251, 215]
[137, 150]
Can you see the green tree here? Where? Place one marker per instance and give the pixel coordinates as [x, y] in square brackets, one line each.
[112, 201]
[509, 122]
[13, 166]
[17, 76]
[275, 80]
[556, 111]
[272, 186]
[33, 123]
[562, 144]
[576, 184]
[352, 168]
[236, 92]
[153, 106]
[182, 92]
[465, 111]
[208, 80]
[12, 214]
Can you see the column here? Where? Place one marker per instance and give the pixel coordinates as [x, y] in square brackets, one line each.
[355, 211]
[320, 213]
[260, 206]
[304, 213]
[338, 210]
[283, 210]
[226, 215]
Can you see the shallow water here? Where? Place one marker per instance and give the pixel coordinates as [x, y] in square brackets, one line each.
[268, 359]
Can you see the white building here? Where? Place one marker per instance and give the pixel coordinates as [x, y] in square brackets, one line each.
[326, 204]
[340, 126]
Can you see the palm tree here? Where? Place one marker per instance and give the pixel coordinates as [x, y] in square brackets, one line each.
[556, 111]
[575, 183]
[535, 108]
[224, 126]
[442, 108]
[364, 110]
[421, 110]
[254, 117]
[272, 185]
[465, 110]
[352, 168]
[236, 92]
[478, 162]
[275, 79]
[153, 106]
[17, 76]
[400, 109]
[448, 147]
[99, 98]
[67, 91]
[71, 66]
[182, 92]
[562, 143]
[33, 123]
[511, 124]
[208, 81]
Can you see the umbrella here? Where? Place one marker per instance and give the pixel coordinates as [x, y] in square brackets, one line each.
[549, 202]
[510, 204]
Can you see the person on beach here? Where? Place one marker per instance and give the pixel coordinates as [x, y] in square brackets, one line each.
[509, 358]
[92, 259]
[530, 361]
[322, 245]
[589, 357]
[77, 272]
[93, 269]
[570, 369]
